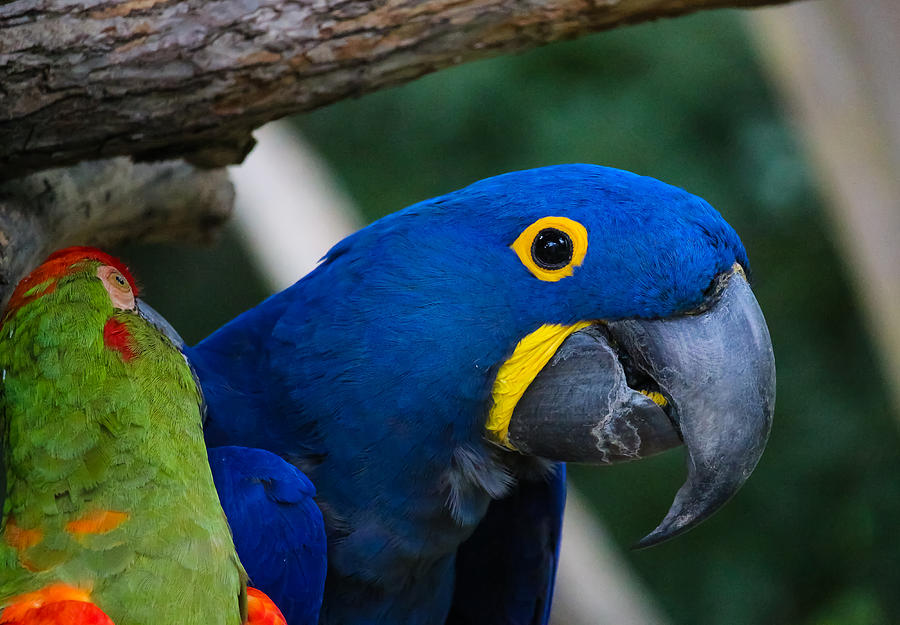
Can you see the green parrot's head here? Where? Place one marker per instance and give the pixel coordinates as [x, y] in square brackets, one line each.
[101, 286]
[99, 277]
[106, 296]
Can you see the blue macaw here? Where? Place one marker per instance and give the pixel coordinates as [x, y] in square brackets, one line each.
[435, 371]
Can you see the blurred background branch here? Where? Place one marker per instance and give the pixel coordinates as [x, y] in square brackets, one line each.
[836, 63]
[106, 203]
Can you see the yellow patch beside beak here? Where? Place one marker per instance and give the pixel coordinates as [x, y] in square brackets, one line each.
[516, 374]
[657, 398]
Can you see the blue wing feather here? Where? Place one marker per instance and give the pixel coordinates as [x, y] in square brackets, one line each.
[278, 529]
[506, 570]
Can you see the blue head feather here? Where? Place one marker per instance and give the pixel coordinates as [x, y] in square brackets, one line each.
[373, 373]
[653, 248]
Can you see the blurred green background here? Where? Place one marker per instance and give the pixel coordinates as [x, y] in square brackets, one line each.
[813, 536]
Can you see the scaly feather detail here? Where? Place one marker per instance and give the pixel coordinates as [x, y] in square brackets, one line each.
[21, 539]
[105, 464]
[117, 336]
[97, 522]
[56, 266]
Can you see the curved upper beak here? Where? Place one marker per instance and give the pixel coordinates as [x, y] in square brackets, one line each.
[631, 388]
[149, 313]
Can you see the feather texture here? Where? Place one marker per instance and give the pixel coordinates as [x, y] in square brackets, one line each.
[108, 486]
[278, 528]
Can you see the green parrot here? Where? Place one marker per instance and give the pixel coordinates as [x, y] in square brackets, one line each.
[108, 505]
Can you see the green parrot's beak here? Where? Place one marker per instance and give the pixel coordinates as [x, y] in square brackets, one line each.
[628, 389]
[149, 313]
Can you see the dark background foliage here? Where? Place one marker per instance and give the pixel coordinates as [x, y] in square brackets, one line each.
[813, 537]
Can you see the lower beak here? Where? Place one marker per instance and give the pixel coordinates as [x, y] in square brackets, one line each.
[632, 388]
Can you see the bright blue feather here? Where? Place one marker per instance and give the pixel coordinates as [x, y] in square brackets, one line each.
[373, 374]
[277, 527]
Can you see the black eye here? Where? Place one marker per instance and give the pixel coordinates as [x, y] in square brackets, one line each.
[552, 249]
[120, 280]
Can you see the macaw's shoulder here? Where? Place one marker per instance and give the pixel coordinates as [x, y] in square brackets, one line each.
[277, 526]
[506, 570]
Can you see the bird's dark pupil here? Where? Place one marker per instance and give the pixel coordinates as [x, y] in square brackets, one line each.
[120, 280]
[551, 249]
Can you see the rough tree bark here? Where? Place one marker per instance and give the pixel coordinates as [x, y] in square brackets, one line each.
[161, 79]
[87, 79]
[106, 203]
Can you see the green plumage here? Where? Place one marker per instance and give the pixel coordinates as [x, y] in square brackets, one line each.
[87, 428]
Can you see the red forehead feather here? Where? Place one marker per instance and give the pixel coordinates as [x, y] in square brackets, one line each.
[59, 264]
[70, 255]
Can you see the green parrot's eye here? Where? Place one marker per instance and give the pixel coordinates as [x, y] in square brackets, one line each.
[551, 249]
[117, 286]
[118, 281]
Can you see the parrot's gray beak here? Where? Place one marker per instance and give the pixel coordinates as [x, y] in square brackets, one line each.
[147, 311]
[629, 389]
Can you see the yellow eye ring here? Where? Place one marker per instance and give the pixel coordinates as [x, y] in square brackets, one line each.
[552, 247]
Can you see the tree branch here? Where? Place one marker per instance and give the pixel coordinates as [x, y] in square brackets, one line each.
[106, 203]
[88, 79]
